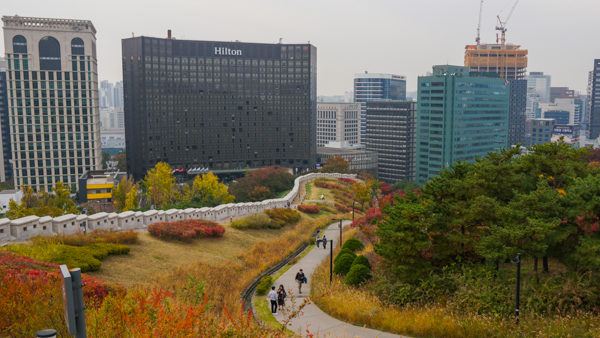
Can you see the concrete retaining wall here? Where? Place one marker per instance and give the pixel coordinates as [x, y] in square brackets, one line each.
[24, 228]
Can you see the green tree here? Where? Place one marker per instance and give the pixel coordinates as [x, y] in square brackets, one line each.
[336, 164]
[361, 192]
[161, 188]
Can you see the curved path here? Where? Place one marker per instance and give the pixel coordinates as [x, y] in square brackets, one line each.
[313, 319]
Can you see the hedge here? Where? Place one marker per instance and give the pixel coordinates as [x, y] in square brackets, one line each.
[343, 251]
[309, 208]
[256, 221]
[186, 230]
[283, 216]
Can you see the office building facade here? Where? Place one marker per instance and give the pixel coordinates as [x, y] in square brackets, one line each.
[538, 91]
[460, 116]
[52, 101]
[338, 122]
[517, 109]
[539, 130]
[5, 157]
[376, 87]
[221, 105]
[391, 134]
[595, 101]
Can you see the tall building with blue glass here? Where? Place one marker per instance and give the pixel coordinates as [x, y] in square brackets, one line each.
[376, 87]
[461, 115]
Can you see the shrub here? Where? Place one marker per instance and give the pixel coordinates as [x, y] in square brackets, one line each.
[309, 208]
[256, 221]
[87, 257]
[327, 184]
[186, 230]
[264, 285]
[342, 208]
[362, 260]
[99, 236]
[343, 264]
[343, 251]
[353, 245]
[283, 216]
[358, 274]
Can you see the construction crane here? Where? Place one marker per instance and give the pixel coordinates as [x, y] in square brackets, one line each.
[502, 25]
[478, 38]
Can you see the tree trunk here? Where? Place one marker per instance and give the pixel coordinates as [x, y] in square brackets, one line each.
[546, 269]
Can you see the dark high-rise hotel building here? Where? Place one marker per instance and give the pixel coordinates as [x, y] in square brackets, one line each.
[221, 105]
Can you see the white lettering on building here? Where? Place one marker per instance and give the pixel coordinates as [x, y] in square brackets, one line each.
[227, 51]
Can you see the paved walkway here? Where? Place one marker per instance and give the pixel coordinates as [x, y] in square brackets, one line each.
[313, 319]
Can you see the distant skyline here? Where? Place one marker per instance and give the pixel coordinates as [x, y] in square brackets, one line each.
[382, 36]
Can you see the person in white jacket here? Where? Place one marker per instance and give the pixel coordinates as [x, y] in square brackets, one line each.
[272, 296]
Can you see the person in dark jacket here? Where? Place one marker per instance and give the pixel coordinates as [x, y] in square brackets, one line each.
[281, 296]
[300, 279]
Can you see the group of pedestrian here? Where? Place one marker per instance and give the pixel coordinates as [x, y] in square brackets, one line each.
[320, 240]
[277, 298]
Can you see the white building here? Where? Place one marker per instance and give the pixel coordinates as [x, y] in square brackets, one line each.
[561, 110]
[338, 122]
[53, 111]
[6, 196]
[538, 91]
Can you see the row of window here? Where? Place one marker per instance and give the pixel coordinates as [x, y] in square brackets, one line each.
[49, 50]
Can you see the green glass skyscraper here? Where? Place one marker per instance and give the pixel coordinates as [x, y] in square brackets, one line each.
[461, 115]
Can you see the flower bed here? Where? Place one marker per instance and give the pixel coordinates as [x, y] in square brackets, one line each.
[309, 208]
[186, 230]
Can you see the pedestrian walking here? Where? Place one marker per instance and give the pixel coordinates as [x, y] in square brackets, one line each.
[300, 279]
[272, 297]
[318, 240]
[324, 240]
[281, 296]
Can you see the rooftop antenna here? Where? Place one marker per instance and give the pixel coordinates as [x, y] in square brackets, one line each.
[280, 40]
[478, 38]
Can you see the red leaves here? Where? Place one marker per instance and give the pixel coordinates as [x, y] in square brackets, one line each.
[186, 230]
[309, 208]
[588, 224]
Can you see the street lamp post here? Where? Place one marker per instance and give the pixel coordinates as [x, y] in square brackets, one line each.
[517, 260]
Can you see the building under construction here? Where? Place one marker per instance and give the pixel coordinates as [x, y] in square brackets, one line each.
[508, 60]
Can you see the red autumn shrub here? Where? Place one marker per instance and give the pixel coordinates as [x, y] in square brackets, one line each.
[309, 208]
[186, 230]
[346, 180]
[342, 208]
[327, 184]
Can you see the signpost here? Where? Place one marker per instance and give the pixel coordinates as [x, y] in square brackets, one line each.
[73, 301]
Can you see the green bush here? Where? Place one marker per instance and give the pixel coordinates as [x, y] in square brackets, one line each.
[256, 221]
[342, 252]
[87, 257]
[264, 285]
[357, 275]
[353, 245]
[283, 216]
[343, 264]
[362, 260]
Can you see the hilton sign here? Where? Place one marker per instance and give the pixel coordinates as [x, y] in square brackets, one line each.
[227, 51]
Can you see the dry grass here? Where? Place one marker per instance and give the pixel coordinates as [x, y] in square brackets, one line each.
[152, 257]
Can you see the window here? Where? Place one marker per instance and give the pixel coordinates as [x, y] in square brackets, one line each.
[77, 47]
[49, 54]
[19, 44]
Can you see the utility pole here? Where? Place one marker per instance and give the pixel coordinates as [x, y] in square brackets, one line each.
[518, 288]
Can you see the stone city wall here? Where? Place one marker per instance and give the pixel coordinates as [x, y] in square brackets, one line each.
[22, 229]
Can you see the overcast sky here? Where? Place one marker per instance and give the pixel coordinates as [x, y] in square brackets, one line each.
[404, 37]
